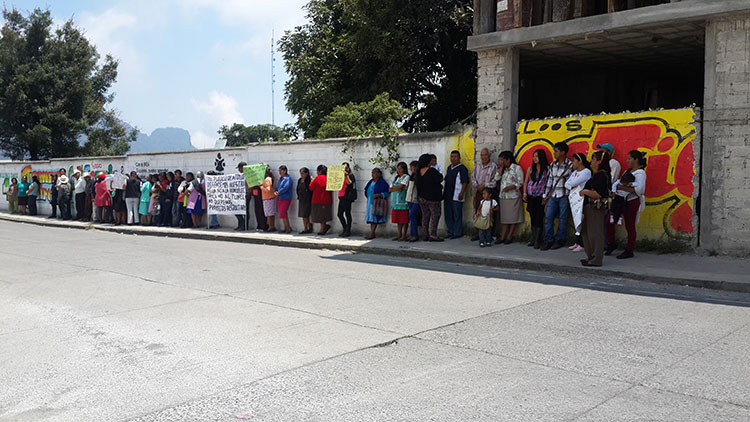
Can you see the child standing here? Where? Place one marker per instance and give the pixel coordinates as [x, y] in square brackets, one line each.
[483, 218]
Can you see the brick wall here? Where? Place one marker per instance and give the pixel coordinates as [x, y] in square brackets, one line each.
[725, 208]
[490, 98]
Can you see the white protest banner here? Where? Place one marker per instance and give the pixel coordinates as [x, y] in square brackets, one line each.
[226, 194]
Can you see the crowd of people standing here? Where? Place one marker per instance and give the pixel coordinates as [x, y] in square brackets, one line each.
[593, 193]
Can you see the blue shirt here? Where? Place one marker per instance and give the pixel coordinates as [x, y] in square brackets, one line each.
[284, 188]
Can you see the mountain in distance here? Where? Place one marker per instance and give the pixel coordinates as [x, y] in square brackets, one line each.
[162, 139]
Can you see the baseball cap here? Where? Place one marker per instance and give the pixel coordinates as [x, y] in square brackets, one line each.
[608, 147]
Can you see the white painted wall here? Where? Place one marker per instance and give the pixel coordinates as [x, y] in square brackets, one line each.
[292, 154]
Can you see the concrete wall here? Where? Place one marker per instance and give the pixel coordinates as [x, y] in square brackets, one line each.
[292, 154]
[725, 208]
[497, 98]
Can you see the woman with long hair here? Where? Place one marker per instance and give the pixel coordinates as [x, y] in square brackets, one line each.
[415, 211]
[578, 178]
[533, 194]
[399, 206]
[23, 197]
[268, 193]
[12, 196]
[322, 210]
[595, 195]
[509, 180]
[347, 196]
[284, 197]
[304, 199]
[628, 203]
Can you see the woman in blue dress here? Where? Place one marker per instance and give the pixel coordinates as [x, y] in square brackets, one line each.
[376, 189]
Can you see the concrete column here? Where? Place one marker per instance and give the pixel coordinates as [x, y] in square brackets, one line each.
[497, 100]
[725, 178]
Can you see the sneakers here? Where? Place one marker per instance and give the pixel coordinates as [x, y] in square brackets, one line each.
[572, 247]
[557, 245]
[577, 248]
[611, 248]
[547, 246]
[481, 244]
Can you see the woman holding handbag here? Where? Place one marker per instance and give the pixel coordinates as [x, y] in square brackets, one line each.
[596, 203]
[376, 192]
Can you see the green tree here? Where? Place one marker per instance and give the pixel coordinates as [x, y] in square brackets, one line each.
[54, 89]
[238, 134]
[373, 118]
[352, 50]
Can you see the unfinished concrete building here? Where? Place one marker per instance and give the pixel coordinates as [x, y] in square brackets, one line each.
[671, 78]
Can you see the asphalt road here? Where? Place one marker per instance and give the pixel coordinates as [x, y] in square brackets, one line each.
[108, 327]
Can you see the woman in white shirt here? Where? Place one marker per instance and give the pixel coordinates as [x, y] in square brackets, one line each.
[629, 202]
[575, 184]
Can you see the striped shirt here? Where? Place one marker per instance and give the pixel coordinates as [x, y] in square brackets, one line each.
[558, 175]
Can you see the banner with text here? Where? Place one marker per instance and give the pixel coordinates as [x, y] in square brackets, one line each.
[226, 194]
[335, 177]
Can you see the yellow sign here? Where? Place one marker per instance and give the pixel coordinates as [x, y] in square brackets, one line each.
[335, 178]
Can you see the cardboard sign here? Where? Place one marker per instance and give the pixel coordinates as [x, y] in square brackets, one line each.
[226, 194]
[335, 178]
[254, 175]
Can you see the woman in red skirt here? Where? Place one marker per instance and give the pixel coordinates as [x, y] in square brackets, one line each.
[399, 206]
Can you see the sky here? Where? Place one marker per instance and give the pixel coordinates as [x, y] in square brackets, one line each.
[193, 64]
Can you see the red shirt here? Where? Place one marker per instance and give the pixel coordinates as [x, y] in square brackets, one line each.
[320, 194]
[102, 198]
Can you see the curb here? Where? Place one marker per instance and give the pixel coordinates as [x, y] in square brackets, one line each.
[498, 262]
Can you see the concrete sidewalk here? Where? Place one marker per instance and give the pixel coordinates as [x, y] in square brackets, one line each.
[721, 273]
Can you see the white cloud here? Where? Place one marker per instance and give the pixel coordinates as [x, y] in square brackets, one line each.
[220, 107]
[201, 140]
[282, 14]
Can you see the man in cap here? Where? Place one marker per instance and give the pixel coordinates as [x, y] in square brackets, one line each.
[613, 164]
[242, 219]
[63, 197]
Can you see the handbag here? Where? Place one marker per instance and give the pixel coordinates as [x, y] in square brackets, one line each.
[350, 194]
[379, 207]
[482, 222]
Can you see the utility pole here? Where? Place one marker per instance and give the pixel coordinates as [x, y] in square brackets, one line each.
[273, 81]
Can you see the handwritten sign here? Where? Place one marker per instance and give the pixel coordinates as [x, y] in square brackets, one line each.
[335, 178]
[254, 175]
[226, 194]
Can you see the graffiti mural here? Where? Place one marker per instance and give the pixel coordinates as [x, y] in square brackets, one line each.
[666, 136]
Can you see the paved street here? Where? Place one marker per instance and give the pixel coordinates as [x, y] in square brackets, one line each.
[109, 327]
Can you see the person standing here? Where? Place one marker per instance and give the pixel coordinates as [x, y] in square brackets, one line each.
[509, 179]
[268, 194]
[242, 219]
[483, 177]
[197, 199]
[533, 194]
[63, 197]
[629, 202]
[322, 210]
[33, 193]
[23, 196]
[415, 211]
[304, 199]
[143, 204]
[103, 200]
[213, 219]
[556, 199]
[596, 199]
[574, 185]
[376, 193]
[90, 195]
[79, 194]
[399, 206]
[175, 193]
[133, 198]
[12, 196]
[284, 197]
[456, 182]
[483, 218]
[347, 196]
[430, 192]
[53, 196]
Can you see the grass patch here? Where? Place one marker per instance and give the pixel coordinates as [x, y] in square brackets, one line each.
[663, 246]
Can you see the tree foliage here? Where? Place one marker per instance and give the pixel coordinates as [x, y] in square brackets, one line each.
[372, 118]
[53, 90]
[239, 134]
[352, 50]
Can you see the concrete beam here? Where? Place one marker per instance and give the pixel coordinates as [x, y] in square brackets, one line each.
[670, 13]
